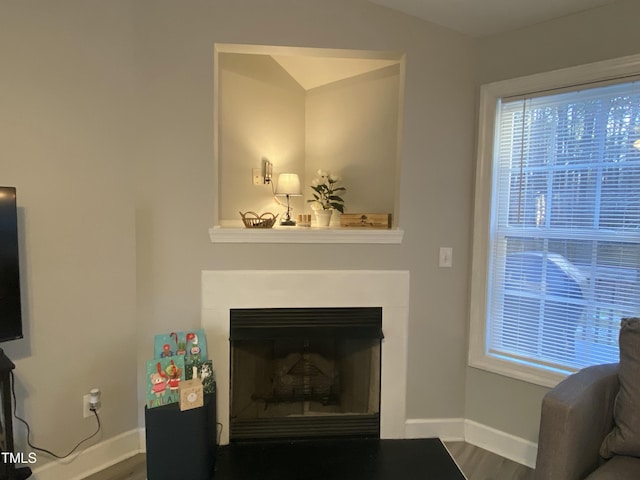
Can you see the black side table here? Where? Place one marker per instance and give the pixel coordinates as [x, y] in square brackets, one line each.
[8, 470]
[181, 444]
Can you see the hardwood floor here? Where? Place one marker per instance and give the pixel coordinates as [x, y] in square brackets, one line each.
[479, 464]
[134, 468]
[476, 464]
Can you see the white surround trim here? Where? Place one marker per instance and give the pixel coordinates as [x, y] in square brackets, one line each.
[389, 289]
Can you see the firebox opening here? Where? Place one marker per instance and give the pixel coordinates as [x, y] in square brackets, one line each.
[303, 380]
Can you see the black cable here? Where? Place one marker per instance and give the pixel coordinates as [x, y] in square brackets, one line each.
[13, 392]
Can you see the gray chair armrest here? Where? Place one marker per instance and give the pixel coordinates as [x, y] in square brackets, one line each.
[576, 416]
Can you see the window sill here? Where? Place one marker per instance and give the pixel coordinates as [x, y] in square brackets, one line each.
[305, 235]
[519, 370]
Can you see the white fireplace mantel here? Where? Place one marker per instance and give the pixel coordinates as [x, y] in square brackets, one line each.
[389, 289]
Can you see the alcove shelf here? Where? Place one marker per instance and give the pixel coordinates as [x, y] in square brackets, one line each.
[305, 235]
[297, 110]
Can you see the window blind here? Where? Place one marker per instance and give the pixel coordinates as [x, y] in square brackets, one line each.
[564, 265]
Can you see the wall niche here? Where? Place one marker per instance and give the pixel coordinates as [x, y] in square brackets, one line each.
[305, 109]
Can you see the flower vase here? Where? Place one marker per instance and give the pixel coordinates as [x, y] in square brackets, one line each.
[323, 217]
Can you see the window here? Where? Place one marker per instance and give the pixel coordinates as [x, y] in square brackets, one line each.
[562, 252]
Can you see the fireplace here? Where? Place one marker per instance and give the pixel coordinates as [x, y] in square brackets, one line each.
[225, 290]
[305, 372]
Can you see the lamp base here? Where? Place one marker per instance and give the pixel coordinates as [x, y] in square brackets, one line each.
[288, 223]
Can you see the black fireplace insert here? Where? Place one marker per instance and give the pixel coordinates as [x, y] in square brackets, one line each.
[305, 373]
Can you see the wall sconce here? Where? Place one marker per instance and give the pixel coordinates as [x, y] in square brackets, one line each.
[267, 170]
[289, 186]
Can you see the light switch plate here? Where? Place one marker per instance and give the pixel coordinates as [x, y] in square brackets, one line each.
[256, 175]
[446, 257]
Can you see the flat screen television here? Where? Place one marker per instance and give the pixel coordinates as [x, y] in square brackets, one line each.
[10, 305]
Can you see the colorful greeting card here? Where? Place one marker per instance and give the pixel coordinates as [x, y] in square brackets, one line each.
[191, 344]
[204, 372]
[163, 380]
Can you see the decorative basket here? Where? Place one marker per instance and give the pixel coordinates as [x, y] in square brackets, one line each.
[253, 220]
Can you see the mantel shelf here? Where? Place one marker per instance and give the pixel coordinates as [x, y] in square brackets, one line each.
[305, 235]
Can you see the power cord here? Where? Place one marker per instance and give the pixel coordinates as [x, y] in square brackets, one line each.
[13, 392]
[275, 197]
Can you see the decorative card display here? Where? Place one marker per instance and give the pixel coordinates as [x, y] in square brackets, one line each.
[192, 345]
[204, 372]
[163, 380]
[191, 394]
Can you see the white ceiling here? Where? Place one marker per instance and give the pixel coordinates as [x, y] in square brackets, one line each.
[482, 18]
[311, 72]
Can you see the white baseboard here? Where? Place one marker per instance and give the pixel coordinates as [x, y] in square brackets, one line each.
[504, 444]
[119, 448]
[446, 429]
[456, 429]
[142, 440]
[93, 459]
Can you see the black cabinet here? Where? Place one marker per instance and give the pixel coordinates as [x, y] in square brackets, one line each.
[8, 470]
[181, 444]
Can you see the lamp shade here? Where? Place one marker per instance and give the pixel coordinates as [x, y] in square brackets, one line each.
[288, 184]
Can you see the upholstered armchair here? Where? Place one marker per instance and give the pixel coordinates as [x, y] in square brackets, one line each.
[590, 422]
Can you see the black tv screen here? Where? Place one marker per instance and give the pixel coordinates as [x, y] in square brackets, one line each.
[10, 309]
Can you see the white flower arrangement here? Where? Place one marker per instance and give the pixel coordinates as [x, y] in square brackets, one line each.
[325, 192]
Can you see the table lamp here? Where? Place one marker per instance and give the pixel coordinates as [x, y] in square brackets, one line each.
[288, 186]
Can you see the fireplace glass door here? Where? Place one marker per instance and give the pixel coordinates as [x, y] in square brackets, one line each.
[305, 374]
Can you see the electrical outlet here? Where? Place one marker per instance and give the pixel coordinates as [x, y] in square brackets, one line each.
[86, 407]
[86, 411]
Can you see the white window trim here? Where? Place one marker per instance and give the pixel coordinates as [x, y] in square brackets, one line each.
[490, 95]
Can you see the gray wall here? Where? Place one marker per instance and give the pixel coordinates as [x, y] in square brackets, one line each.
[352, 131]
[66, 137]
[597, 34]
[262, 112]
[511, 405]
